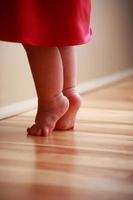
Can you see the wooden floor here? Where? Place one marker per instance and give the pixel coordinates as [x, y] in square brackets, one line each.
[93, 162]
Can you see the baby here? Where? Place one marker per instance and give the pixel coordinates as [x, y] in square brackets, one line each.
[49, 31]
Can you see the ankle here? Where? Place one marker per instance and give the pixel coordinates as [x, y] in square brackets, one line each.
[59, 101]
[56, 107]
[70, 91]
[74, 97]
[49, 102]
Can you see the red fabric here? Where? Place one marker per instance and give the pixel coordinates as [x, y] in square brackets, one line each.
[45, 22]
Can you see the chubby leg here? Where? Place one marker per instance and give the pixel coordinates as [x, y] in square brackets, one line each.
[47, 71]
[69, 61]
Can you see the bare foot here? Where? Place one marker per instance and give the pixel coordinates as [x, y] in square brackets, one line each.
[48, 115]
[66, 122]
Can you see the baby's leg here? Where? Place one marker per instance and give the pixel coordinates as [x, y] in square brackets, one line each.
[68, 55]
[47, 71]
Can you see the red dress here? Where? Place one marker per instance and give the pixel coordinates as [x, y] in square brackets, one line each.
[45, 22]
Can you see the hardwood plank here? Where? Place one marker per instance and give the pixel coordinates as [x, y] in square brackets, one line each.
[95, 161]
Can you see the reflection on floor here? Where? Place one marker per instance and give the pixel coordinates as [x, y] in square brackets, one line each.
[95, 161]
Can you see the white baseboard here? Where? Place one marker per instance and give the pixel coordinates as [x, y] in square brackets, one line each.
[17, 108]
[104, 80]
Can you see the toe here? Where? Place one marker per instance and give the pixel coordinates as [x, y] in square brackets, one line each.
[45, 132]
[34, 131]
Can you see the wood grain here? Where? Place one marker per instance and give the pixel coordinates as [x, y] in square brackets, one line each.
[95, 161]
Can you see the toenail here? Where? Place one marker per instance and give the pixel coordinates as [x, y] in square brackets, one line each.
[28, 130]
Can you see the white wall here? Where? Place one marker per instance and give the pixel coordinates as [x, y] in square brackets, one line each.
[109, 51]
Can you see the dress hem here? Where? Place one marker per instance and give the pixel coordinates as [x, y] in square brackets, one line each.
[43, 44]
